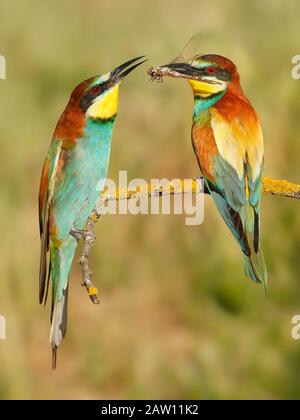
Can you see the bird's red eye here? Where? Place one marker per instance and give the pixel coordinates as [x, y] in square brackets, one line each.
[211, 70]
[96, 89]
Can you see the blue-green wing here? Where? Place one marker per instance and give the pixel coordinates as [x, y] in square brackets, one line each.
[45, 197]
[240, 210]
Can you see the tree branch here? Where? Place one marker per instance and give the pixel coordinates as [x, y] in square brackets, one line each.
[271, 186]
[280, 188]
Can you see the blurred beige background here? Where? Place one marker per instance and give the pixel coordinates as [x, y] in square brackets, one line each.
[178, 318]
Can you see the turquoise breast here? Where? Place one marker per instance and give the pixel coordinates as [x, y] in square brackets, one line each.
[83, 177]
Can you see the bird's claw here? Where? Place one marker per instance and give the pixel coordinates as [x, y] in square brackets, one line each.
[89, 235]
[76, 233]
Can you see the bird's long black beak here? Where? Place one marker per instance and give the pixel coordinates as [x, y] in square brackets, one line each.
[183, 70]
[124, 69]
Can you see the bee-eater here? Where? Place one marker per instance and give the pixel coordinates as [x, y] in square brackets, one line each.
[228, 143]
[73, 176]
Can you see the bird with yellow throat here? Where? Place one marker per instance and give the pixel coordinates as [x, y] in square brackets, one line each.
[73, 176]
[228, 143]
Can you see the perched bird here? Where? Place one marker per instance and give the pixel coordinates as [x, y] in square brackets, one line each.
[228, 143]
[73, 176]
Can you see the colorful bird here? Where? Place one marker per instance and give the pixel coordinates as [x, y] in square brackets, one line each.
[73, 176]
[228, 143]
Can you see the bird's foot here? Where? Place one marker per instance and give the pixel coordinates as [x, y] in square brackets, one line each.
[82, 233]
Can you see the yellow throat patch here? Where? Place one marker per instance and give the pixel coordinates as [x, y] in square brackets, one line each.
[106, 106]
[204, 89]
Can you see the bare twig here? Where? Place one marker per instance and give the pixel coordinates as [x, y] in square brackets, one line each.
[89, 238]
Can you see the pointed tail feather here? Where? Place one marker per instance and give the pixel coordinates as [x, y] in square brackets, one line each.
[58, 325]
[255, 268]
[54, 357]
[61, 262]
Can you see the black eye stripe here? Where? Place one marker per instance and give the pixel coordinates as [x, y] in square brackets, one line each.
[220, 74]
[88, 98]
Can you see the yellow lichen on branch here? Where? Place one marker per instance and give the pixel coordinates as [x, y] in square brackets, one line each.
[281, 187]
[271, 186]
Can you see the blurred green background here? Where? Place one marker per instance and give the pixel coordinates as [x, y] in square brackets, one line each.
[178, 318]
